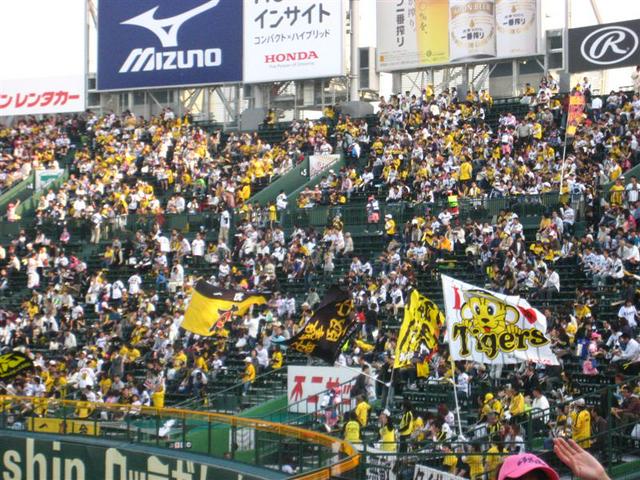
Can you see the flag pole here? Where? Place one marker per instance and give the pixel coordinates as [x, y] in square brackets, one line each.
[365, 374]
[389, 389]
[455, 393]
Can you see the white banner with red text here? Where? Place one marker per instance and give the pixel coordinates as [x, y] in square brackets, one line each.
[306, 386]
[490, 327]
[45, 76]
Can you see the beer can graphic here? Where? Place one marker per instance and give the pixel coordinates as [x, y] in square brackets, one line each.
[432, 29]
[472, 30]
[516, 27]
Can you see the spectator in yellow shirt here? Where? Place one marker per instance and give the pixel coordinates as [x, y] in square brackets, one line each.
[516, 403]
[389, 225]
[581, 426]
[157, 397]
[276, 358]
[476, 462]
[248, 376]
[351, 430]
[362, 411]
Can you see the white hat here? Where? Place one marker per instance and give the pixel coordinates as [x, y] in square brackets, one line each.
[247, 359]
[388, 215]
[386, 412]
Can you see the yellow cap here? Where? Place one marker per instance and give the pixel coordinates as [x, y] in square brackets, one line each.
[488, 397]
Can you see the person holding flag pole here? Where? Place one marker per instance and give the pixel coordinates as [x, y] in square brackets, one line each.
[419, 331]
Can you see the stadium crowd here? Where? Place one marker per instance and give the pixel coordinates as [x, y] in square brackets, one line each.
[100, 337]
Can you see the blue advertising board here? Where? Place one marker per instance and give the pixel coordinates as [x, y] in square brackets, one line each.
[168, 43]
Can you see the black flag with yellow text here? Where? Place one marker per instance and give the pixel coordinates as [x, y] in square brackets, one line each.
[328, 329]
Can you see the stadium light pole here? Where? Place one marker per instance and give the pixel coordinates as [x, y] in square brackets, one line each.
[355, 59]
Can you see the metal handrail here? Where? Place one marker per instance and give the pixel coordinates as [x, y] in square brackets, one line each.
[337, 446]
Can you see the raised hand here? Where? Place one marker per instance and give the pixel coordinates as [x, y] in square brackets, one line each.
[581, 462]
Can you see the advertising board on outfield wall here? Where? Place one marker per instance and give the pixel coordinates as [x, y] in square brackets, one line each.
[164, 43]
[290, 39]
[598, 47]
[46, 76]
[421, 33]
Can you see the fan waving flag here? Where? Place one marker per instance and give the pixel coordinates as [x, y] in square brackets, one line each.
[490, 327]
[331, 325]
[211, 307]
[420, 329]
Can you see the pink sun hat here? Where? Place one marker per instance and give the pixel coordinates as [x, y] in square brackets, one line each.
[516, 466]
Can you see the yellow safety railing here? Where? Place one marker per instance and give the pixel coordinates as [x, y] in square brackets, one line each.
[350, 460]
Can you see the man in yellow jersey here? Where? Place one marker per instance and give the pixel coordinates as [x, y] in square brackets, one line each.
[351, 430]
[387, 432]
[405, 429]
[389, 225]
[248, 376]
[581, 426]
[516, 403]
[362, 411]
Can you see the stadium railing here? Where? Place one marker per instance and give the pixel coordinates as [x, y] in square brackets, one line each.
[262, 443]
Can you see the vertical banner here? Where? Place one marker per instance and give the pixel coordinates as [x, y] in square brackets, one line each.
[490, 327]
[433, 31]
[574, 116]
[292, 40]
[472, 29]
[516, 27]
[397, 40]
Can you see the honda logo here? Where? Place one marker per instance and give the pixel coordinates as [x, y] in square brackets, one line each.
[609, 45]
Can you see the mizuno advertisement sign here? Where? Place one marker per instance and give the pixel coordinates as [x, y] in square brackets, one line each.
[164, 43]
[600, 47]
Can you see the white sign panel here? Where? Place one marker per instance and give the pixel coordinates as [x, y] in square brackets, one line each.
[44, 178]
[380, 464]
[320, 163]
[427, 473]
[292, 40]
[304, 384]
[43, 59]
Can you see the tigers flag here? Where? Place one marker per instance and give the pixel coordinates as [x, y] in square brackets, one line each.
[420, 327]
[211, 307]
[489, 327]
[13, 363]
[331, 325]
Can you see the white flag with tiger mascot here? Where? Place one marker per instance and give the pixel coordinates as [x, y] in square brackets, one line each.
[490, 327]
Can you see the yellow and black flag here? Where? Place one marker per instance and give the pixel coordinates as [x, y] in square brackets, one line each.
[328, 329]
[421, 326]
[211, 307]
[13, 363]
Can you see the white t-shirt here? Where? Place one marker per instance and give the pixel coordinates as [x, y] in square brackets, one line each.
[197, 247]
[134, 284]
[629, 313]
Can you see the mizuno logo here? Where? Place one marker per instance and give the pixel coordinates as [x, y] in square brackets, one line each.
[148, 59]
[166, 29]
